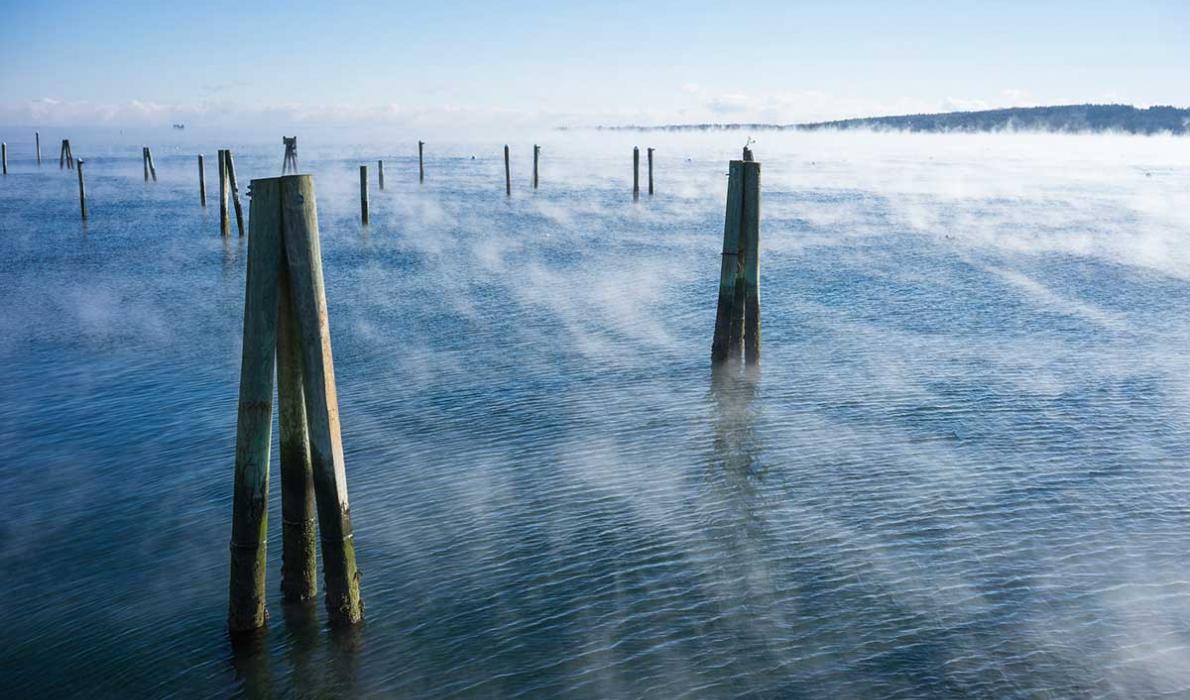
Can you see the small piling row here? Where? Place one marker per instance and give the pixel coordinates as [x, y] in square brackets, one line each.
[285, 321]
[737, 318]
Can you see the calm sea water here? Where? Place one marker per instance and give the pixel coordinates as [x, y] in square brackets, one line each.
[961, 470]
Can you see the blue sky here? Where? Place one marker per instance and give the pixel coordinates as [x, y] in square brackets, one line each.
[442, 63]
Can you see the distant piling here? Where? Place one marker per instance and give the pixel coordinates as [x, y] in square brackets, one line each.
[224, 223]
[507, 174]
[289, 164]
[82, 191]
[536, 153]
[283, 249]
[421, 168]
[147, 158]
[202, 182]
[37, 140]
[737, 318]
[4, 158]
[66, 156]
[229, 163]
[635, 172]
[363, 194]
[650, 154]
[380, 173]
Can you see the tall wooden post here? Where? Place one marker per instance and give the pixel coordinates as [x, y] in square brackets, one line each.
[636, 172]
[363, 194]
[37, 139]
[4, 158]
[536, 152]
[650, 152]
[421, 168]
[202, 182]
[285, 323]
[62, 155]
[250, 497]
[300, 221]
[82, 192]
[380, 173]
[224, 223]
[299, 564]
[507, 173]
[144, 160]
[737, 318]
[229, 163]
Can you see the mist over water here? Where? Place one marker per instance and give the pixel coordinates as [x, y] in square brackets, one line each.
[959, 471]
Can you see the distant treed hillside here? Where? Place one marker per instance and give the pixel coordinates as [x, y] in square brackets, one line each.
[1065, 118]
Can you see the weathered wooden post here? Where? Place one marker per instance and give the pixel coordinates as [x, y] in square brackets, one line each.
[146, 157]
[380, 173]
[82, 191]
[737, 318]
[635, 172]
[341, 577]
[650, 152]
[507, 174]
[536, 151]
[421, 169]
[285, 325]
[363, 194]
[224, 222]
[229, 162]
[4, 158]
[202, 182]
[37, 139]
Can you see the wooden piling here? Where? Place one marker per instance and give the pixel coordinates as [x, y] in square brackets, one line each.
[152, 166]
[300, 222]
[289, 165]
[82, 191]
[636, 172]
[65, 156]
[299, 543]
[202, 182]
[229, 163]
[144, 160]
[4, 158]
[62, 155]
[380, 173]
[750, 246]
[363, 194]
[421, 169]
[224, 223]
[737, 317]
[536, 152]
[249, 528]
[650, 152]
[507, 174]
[69, 156]
[37, 139]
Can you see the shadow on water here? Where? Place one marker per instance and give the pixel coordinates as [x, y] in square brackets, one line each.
[251, 663]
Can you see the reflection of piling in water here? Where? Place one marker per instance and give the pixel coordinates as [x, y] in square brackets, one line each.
[737, 319]
[284, 249]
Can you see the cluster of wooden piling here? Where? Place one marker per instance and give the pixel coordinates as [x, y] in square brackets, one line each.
[289, 164]
[65, 156]
[286, 329]
[737, 318]
[636, 172]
